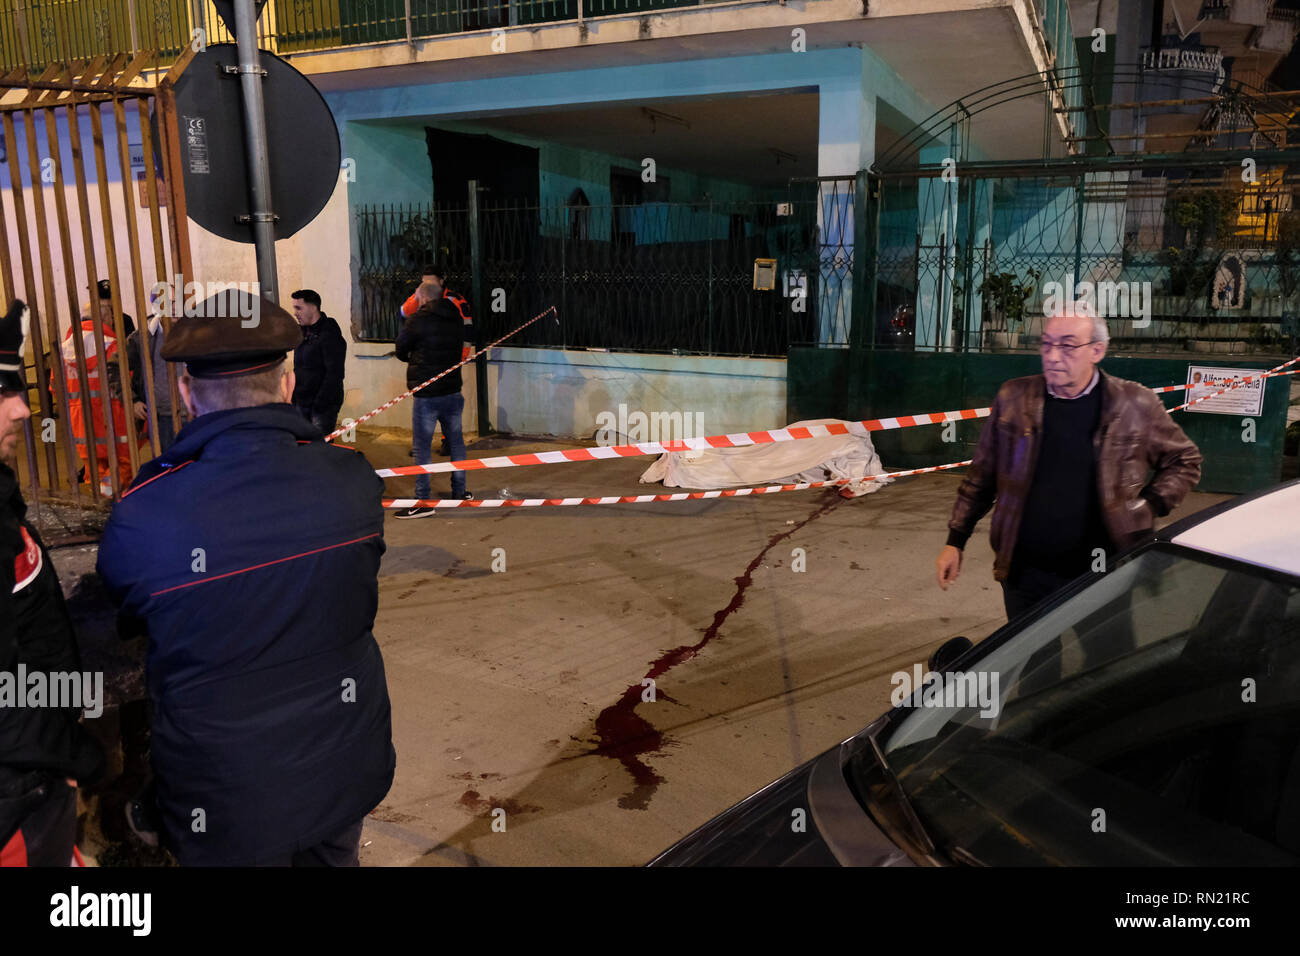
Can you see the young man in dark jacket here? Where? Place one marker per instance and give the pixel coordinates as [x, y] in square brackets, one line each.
[44, 752]
[318, 363]
[431, 342]
[251, 550]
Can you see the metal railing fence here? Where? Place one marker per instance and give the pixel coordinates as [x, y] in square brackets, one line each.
[34, 33]
[1176, 259]
[657, 277]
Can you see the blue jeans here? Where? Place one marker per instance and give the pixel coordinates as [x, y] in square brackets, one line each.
[444, 410]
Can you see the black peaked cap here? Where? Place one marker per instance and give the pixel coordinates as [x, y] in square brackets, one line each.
[231, 333]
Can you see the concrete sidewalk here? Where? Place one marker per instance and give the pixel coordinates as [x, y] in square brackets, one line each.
[518, 695]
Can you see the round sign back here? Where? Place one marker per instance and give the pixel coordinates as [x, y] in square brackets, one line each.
[302, 144]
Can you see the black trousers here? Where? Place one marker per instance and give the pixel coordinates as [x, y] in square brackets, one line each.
[326, 420]
[1024, 587]
[38, 820]
[342, 849]
[1106, 634]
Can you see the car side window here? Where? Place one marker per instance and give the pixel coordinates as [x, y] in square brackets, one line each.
[1167, 694]
[1155, 608]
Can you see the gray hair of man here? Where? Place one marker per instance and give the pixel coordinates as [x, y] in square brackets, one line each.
[1081, 307]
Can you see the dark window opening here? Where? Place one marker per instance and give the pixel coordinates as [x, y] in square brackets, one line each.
[628, 189]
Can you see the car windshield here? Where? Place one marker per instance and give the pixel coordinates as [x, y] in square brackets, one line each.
[1152, 718]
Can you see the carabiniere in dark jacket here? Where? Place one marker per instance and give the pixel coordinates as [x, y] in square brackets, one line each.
[1145, 464]
[430, 342]
[251, 548]
[35, 630]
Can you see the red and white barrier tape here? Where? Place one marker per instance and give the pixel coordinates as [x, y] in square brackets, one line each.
[1160, 389]
[409, 392]
[643, 499]
[742, 439]
[737, 440]
[720, 441]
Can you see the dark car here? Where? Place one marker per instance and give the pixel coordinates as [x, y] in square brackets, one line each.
[1146, 716]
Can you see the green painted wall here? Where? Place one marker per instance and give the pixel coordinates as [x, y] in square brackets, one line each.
[903, 383]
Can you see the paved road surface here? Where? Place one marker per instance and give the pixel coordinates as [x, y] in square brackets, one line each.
[521, 691]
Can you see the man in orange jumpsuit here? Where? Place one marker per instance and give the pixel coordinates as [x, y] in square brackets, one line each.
[94, 391]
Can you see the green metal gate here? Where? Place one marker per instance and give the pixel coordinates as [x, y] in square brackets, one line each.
[1192, 257]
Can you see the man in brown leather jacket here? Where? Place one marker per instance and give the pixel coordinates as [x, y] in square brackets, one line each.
[1075, 463]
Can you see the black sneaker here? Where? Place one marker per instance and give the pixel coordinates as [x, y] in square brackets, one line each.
[444, 450]
[416, 512]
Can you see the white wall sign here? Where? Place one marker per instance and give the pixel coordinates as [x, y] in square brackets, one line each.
[1247, 399]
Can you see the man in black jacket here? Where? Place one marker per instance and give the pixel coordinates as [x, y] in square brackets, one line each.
[430, 343]
[105, 291]
[158, 394]
[251, 549]
[318, 363]
[44, 752]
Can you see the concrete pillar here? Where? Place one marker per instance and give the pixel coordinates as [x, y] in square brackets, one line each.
[938, 223]
[846, 143]
[980, 196]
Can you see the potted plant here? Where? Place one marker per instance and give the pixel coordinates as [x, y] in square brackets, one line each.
[1005, 296]
[413, 245]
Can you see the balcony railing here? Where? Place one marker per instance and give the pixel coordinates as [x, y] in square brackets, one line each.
[34, 33]
[1250, 12]
[1204, 61]
[1279, 34]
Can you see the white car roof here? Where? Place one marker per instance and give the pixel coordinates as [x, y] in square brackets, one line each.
[1264, 531]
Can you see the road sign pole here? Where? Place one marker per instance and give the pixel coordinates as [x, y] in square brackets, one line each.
[261, 218]
[476, 302]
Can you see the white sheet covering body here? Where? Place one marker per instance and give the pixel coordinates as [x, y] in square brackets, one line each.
[826, 458]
